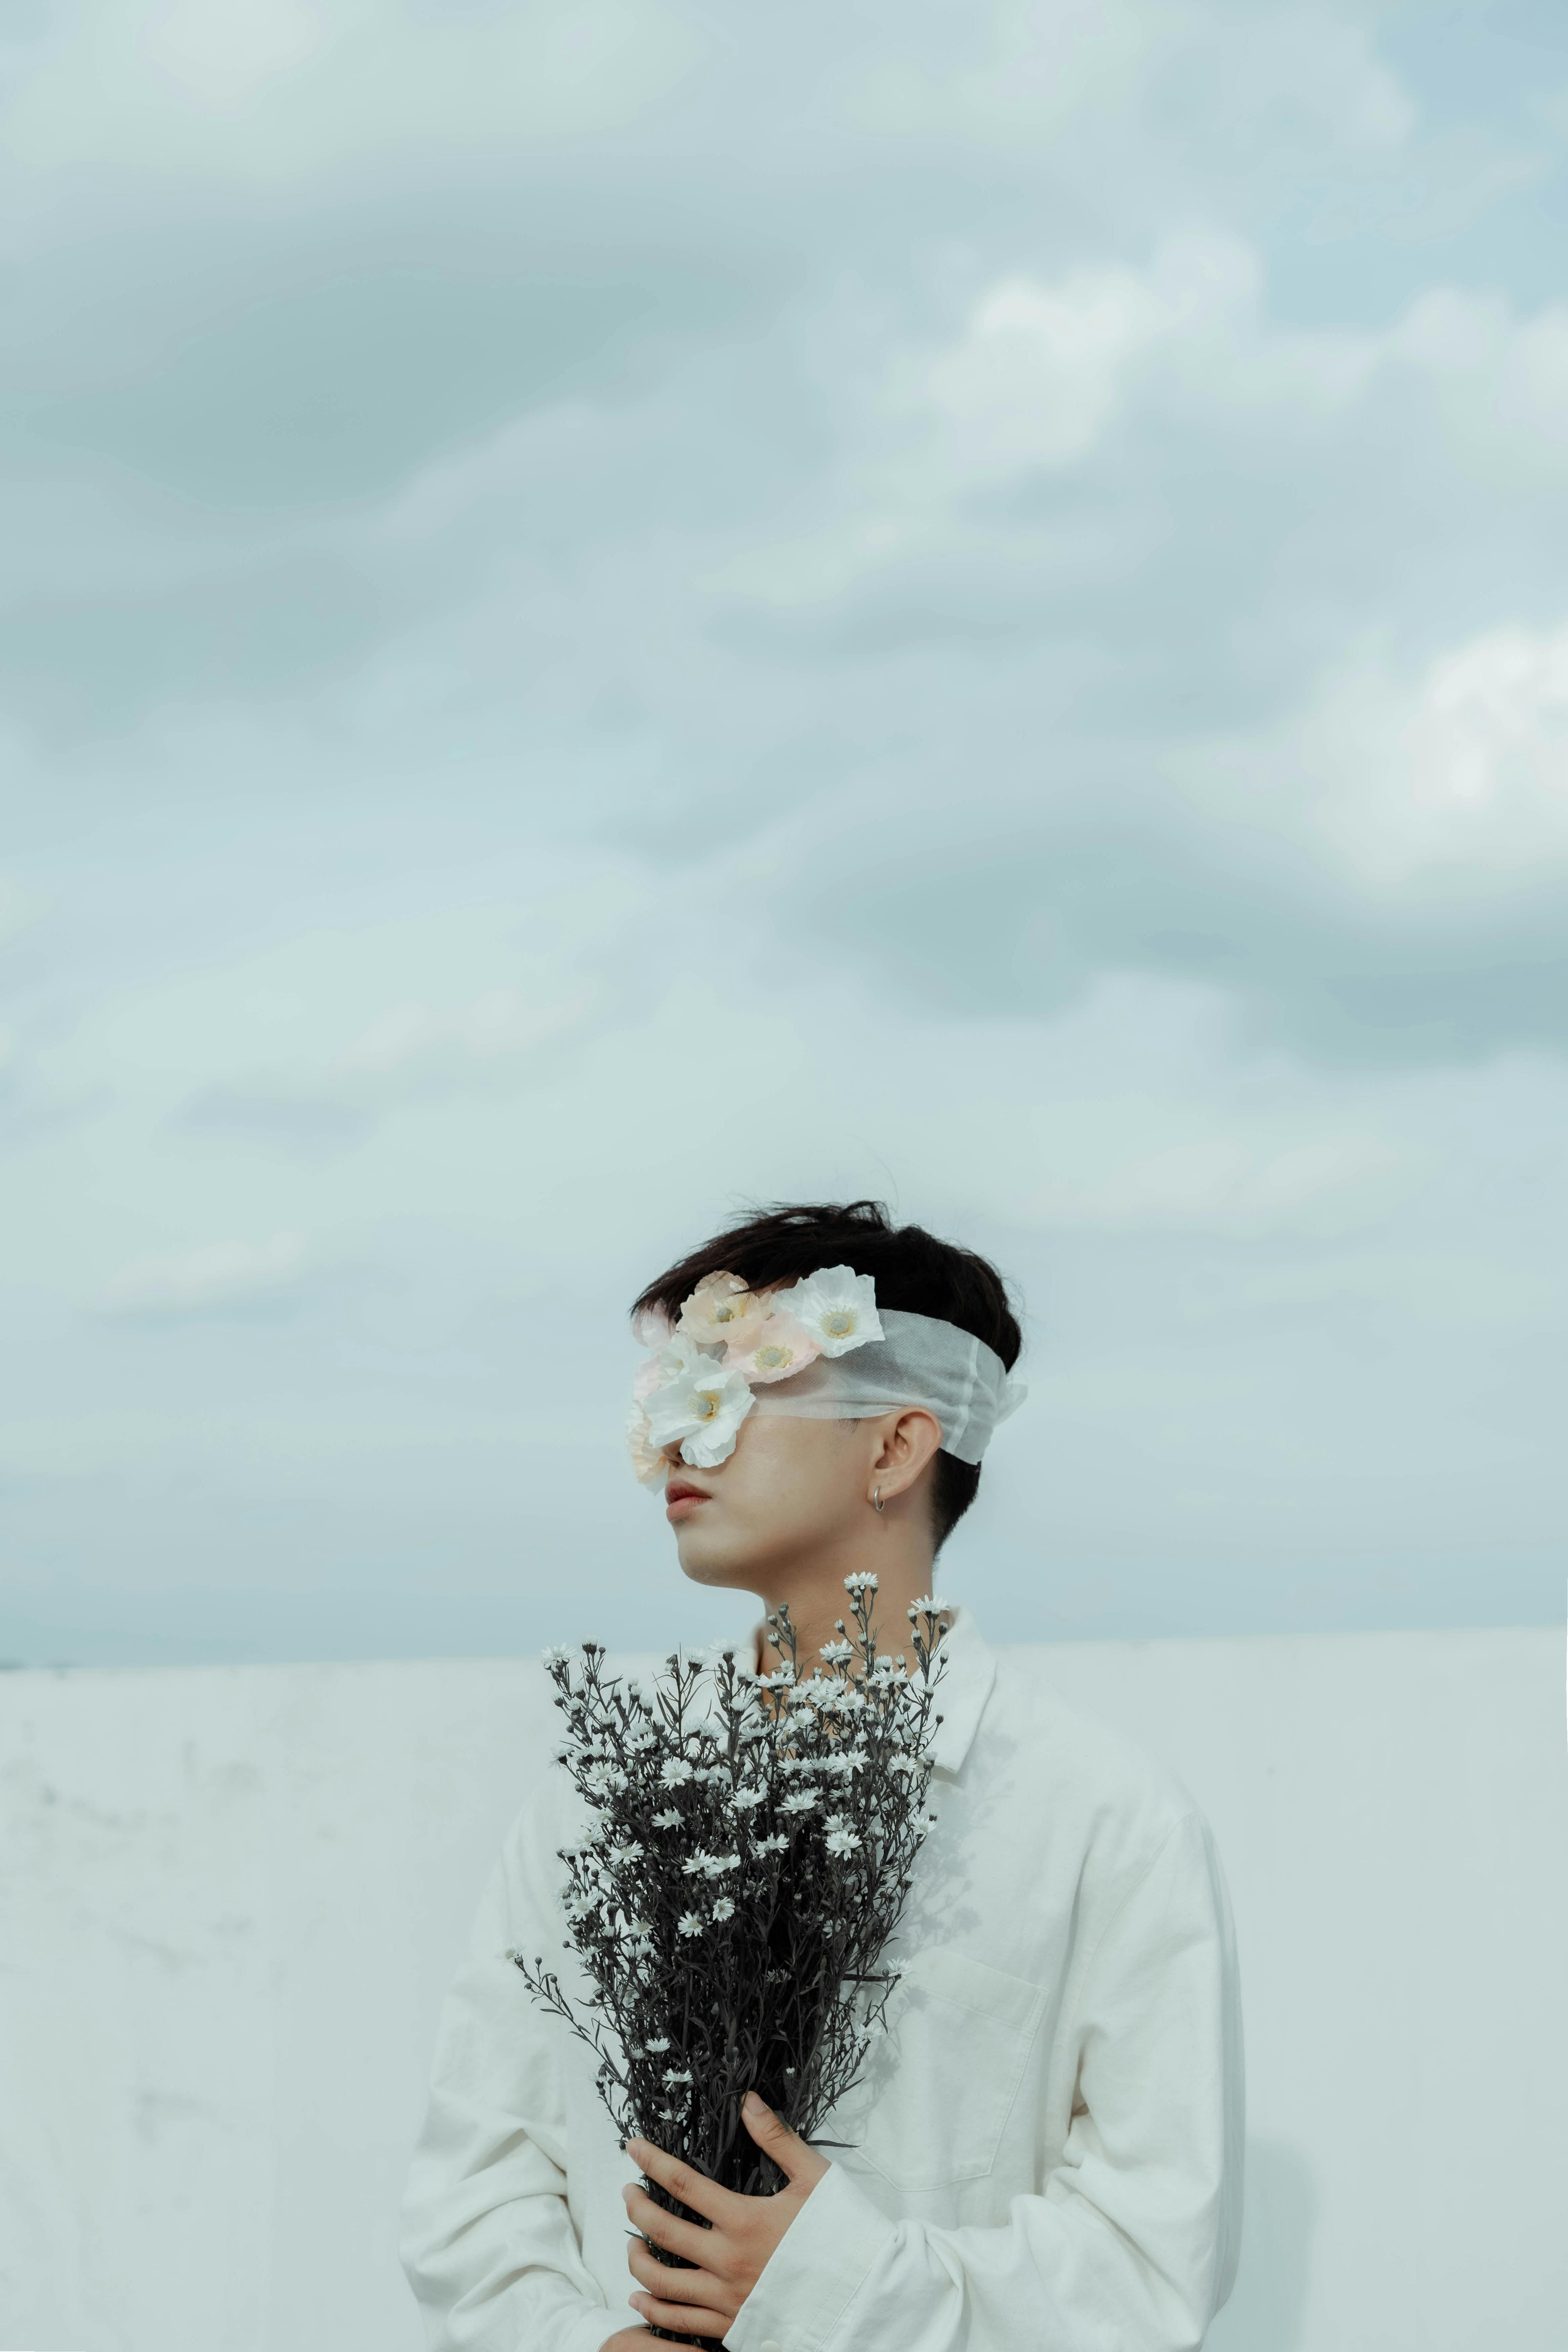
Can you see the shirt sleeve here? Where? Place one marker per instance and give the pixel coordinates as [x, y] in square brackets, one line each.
[487, 2239]
[1132, 2242]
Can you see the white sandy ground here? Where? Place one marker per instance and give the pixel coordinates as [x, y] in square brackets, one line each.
[232, 1897]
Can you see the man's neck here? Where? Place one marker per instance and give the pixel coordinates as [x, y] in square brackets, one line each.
[816, 1599]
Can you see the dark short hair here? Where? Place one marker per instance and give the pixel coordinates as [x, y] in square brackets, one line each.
[915, 1274]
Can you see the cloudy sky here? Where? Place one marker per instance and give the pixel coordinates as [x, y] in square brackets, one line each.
[611, 607]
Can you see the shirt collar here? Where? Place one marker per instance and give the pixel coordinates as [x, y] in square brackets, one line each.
[964, 1688]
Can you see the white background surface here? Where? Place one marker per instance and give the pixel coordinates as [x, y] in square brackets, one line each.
[232, 1897]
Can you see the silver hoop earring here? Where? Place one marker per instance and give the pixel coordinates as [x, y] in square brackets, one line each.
[876, 1502]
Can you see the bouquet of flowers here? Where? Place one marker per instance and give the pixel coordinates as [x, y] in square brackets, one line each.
[751, 1857]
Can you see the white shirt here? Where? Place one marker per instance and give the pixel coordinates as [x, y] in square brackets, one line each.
[1048, 2139]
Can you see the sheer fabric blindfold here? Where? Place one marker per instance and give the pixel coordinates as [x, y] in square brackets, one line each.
[919, 1361]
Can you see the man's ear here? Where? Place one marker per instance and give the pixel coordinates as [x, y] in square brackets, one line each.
[910, 1441]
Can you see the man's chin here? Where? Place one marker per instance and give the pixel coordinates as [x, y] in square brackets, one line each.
[705, 1558]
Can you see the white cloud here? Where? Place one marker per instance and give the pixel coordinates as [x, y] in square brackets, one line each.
[217, 51]
[1452, 783]
[1044, 366]
[416, 1040]
[1033, 382]
[1460, 1288]
[21, 906]
[201, 1281]
[1045, 369]
[1042, 369]
[279, 91]
[1236, 1185]
[1018, 72]
[1500, 378]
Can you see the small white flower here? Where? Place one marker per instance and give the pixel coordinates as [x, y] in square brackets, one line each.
[724, 1909]
[837, 1654]
[799, 1800]
[837, 1306]
[745, 1800]
[925, 1607]
[695, 1864]
[622, 1854]
[776, 1844]
[691, 1923]
[842, 1842]
[556, 1656]
[720, 1862]
[675, 1771]
[861, 1581]
[700, 1411]
[660, 2041]
[668, 1819]
[677, 2075]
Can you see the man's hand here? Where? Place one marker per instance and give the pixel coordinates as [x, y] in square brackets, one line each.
[730, 2255]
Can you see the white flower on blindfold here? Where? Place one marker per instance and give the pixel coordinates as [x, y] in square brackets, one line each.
[700, 1411]
[680, 1353]
[837, 1306]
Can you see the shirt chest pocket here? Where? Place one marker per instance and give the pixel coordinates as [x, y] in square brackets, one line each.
[940, 2082]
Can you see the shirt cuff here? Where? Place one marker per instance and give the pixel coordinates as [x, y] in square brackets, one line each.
[592, 2329]
[815, 2271]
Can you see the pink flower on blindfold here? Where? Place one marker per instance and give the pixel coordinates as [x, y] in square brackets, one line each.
[776, 1350]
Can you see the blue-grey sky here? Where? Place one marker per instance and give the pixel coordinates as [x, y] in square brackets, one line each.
[609, 607]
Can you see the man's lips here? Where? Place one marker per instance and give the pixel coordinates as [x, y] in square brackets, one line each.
[681, 1498]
